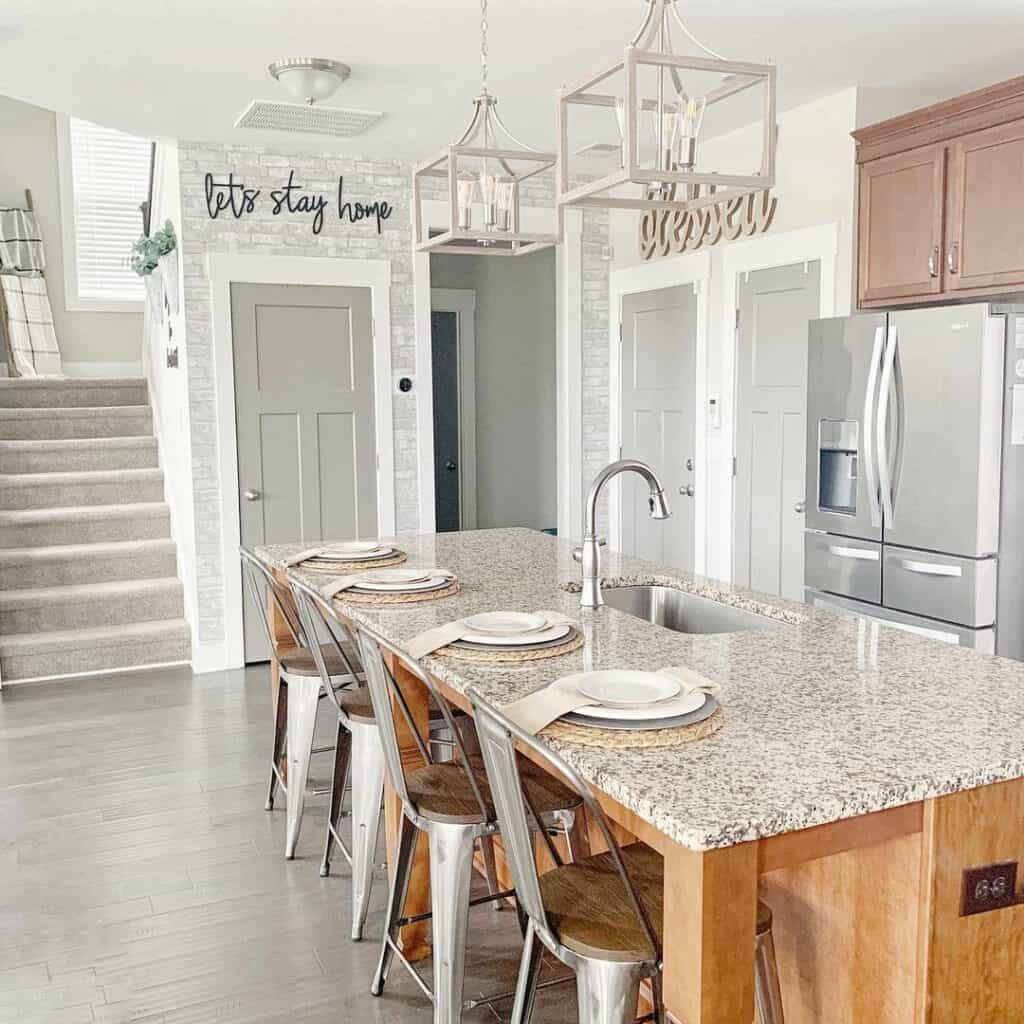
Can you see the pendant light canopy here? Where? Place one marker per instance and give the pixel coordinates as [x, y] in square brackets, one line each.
[482, 173]
[657, 99]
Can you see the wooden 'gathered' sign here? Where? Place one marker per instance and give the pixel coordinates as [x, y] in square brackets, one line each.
[664, 232]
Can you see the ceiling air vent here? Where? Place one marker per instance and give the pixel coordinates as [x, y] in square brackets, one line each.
[268, 115]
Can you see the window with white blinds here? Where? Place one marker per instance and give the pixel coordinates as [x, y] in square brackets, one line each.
[109, 178]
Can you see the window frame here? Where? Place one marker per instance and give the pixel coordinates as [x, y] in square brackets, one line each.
[73, 301]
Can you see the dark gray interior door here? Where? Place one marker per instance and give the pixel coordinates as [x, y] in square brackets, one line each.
[304, 415]
[444, 337]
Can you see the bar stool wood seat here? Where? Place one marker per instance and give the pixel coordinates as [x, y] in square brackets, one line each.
[300, 661]
[442, 792]
[588, 910]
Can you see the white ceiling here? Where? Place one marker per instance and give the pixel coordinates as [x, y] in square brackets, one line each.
[187, 68]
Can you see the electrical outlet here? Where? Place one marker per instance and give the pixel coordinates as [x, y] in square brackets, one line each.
[991, 887]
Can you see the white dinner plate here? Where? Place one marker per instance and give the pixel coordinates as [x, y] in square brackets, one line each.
[430, 583]
[536, 636]
[369, 556]
[622, 686]
[506, 623]
[354, 547]
[394, 576]
[673, 707]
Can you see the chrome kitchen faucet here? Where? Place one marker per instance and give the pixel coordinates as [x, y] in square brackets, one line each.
[589, 555]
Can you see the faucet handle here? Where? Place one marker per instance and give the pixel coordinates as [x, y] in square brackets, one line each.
[577, 552]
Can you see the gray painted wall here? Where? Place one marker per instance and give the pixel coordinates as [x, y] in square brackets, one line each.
[28, 159]
[515, 383]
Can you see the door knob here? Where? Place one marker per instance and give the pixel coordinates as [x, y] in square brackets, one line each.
[251, 495]
[799, 507]
[449, 464]
[689, 465]
[686, 490]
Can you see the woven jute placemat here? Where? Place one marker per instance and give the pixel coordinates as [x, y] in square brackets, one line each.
[408, 598]
[344, 568]
[574, 643]
[628, 739]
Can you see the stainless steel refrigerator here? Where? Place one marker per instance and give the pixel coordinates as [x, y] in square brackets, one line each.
[915, 471]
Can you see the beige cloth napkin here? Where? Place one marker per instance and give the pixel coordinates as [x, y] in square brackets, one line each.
[301, 556]
[441, 636]
[336, 584]
[537, 710]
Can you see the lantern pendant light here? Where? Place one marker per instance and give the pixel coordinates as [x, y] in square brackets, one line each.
[483, 171]
[659, 99]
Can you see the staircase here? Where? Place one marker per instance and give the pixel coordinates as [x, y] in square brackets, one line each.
[87, 568]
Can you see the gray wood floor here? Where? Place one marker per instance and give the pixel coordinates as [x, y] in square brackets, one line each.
[141, 880]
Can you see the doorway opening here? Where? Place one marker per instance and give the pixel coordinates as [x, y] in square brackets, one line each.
[493, 329]
[773, 308]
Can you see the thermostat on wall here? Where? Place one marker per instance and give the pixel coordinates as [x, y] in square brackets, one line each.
[714, 413]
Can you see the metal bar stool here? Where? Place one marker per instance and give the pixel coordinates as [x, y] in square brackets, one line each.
[299, 696]
[601, 916]
[451, 802]
[358, 755]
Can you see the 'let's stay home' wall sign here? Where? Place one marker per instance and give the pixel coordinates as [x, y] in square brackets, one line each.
[235, 198]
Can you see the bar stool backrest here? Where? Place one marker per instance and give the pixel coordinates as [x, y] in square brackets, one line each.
[318, 618]
[262, 583]
[498, 739]
[385, 693]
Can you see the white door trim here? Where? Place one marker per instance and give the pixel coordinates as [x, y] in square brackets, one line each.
[568, 312]
[820, 242]
[692, 269]
[225, 269]
[462, 302]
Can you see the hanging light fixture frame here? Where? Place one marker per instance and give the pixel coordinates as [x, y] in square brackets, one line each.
[483, 171]
[679, 185]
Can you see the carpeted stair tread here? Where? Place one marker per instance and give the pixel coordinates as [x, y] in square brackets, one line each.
[86, 487]
[65, 552]
[84, 524]
[81, 639]
[18, 393]
[39, 596]
[71, 513]
[77, 454]
[76, 422]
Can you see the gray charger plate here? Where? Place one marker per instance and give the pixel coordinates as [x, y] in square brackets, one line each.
[355, 589]
[472, 645]
[705, 711]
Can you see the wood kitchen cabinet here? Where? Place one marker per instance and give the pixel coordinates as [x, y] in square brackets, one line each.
[940, 201]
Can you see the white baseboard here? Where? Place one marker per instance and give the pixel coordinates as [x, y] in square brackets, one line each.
[94, 369]
[210, 658]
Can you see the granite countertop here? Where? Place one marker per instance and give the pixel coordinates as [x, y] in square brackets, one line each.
[829, 717]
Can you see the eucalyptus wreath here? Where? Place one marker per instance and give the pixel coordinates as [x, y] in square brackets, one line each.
[146, 252]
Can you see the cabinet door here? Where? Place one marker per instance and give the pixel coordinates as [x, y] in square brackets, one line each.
[900, 220]
[986, 208]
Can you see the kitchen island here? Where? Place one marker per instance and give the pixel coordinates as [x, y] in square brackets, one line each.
[859, 772]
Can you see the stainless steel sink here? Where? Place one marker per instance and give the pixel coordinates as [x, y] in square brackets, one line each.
[683, 612]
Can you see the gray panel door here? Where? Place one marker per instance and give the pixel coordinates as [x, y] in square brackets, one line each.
[304, 412]
[775, 306]
[444, 340]
[659, 334]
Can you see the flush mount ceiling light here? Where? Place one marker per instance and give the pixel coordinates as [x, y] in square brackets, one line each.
[310, 79]
[483, 171]
[658, 100]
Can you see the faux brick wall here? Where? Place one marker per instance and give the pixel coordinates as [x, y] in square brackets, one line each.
[290, 235]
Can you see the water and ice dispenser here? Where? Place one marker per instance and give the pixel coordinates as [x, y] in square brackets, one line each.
[837, 466]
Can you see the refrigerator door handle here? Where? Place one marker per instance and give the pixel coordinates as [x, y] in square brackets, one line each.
[864, 554]
[931, 568]
[870, 394]
[881, 436]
